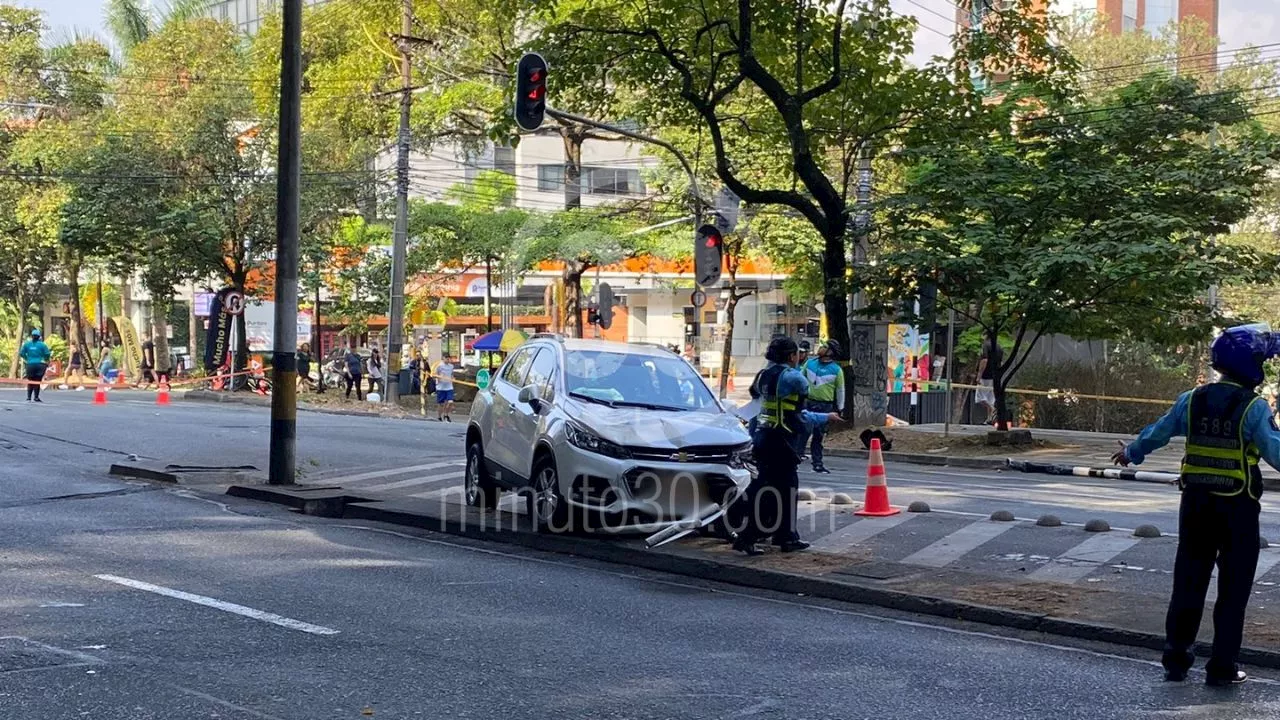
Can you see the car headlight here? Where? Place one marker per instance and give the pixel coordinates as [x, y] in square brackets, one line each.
[583, 438]
[741, 456]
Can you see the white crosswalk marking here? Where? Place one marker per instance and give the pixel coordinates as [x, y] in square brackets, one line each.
[373, 475]
[1084, 558]
[1267, 559]
[512, 503]
[412, 482]
[957, 544]
[861, 530]
[444, 494]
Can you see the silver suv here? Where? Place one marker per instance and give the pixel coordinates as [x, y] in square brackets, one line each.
[602, 435]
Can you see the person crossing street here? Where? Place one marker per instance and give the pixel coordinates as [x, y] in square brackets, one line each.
[826, 394]
[1228, 428]
[35, 355]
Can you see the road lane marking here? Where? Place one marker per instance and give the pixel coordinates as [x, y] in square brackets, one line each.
[411, 482]
[957, 544]
[388, 473]
[1084, 558]
[1268, 558]
[220, 605]
[859, 531]
[443, 494]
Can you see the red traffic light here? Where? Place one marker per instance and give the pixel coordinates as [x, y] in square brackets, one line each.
[531, 91]
[713, 241]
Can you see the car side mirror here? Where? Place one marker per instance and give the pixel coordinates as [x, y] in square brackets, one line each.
[528, 395]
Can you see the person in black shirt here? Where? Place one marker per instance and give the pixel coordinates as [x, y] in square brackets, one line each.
[985, 395]
[304, 366]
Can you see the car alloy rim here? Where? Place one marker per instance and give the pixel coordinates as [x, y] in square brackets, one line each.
[546, 499]
[473, 479]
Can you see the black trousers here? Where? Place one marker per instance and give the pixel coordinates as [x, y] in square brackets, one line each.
[1211, 529]
[35, 373]
[354, 381]
[768, 507]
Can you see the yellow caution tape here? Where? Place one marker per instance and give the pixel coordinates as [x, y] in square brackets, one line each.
[1067, 393]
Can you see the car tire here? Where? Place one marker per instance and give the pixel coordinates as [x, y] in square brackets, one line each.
[547, 506]
[478, 488]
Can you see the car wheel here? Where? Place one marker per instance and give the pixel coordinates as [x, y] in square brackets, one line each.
[549, 509]
[478, 486]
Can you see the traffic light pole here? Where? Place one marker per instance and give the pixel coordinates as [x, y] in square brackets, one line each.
[284, 358]
[400, 240]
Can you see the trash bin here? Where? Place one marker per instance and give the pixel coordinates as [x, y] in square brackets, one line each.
[405, 381]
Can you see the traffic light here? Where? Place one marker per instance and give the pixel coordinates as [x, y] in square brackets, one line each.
[708, 255]
[604, 313]
[531, 91]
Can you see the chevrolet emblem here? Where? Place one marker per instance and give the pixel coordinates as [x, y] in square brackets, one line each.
[681, 456]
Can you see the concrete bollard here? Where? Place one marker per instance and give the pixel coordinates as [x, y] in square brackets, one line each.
[1097, 525]
[918, 506]
[1002, 516]
[1049, 521]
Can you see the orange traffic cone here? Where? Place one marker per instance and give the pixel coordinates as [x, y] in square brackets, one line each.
[876, 503]
[100, 394]
[162, 395]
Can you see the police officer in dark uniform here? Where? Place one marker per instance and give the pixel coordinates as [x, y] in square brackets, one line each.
[770, 501]
[1228, 428]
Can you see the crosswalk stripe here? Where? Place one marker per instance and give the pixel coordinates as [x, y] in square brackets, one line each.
[1084, 558]
[392, 471]
[1267, 559]
[859, 531]
[412, 482]
[957, 544]
[443, 493]
[512, 503]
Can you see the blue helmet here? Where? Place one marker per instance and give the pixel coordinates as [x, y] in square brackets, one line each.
[1240, 351]
[35, 333]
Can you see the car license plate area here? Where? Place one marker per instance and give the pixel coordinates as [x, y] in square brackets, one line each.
[668, 494]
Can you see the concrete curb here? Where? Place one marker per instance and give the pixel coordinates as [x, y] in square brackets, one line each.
[139, 472]
[259, 401]
[926, 459]
[334, 500]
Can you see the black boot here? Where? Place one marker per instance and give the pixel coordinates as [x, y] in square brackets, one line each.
[1233, 678]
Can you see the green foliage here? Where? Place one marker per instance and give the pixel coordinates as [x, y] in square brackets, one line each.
[1090, 217]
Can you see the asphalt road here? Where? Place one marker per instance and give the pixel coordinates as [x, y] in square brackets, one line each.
[135, 602]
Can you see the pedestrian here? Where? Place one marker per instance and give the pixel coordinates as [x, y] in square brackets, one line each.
[376, 373]
[768, 506]
[148, 365]
[106, 365]
[75, 368]
[826, 394]
[444, 389]
[35, 355]
[304, 366]
[1228, 427]
[986, 396]
[352, 372]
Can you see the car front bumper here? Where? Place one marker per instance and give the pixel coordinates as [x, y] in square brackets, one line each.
[640, 495]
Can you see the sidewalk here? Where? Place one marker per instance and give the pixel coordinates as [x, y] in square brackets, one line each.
[1027, 573]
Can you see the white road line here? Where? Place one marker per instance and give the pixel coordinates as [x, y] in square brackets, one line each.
[1268, 558]
[221, 605]
[859, 531]
[393, 471]
[512, 503]
[411, 482]
[1084, 558]
[443, 494]
[957, 544]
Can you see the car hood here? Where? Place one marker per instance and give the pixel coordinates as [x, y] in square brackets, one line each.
[661, 429]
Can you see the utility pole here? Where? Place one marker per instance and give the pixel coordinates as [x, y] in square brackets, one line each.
[284, 358]
[400, 243]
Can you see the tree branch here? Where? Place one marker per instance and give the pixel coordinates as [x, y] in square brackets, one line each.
[832, 82]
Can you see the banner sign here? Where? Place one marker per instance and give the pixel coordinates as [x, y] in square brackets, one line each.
[130, 347]
[218, 340]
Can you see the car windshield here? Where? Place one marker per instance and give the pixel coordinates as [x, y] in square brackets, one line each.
[633, 380]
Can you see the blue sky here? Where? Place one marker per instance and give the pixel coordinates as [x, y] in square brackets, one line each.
[1242, 22]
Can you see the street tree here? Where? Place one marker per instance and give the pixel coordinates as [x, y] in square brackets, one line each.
[814, 86]
[1091, 217]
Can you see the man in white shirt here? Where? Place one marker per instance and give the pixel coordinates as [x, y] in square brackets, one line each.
[444, 390]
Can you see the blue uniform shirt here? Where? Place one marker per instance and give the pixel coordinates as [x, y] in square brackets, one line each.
[793, 382]
[1259, 430]
[34, 352]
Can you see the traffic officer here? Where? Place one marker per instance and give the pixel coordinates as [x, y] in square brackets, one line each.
[1228, 427]
[770, 501]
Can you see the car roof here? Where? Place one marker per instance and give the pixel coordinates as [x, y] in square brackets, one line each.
[586, 345]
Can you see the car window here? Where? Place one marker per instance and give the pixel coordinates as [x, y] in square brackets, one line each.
[541, 370]
[514, 371]
[660, 382]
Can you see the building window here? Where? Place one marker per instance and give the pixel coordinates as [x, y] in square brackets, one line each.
[612, 181]
[1129, 15]
[504, 160]
[550, 178]
[1160, 14]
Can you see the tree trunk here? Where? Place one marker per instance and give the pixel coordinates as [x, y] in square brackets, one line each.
[572, 169]
[193, 328]
[835, 292]
[21, 300]
[77, 312]
[488, 295]
[126, 299]
[573, 289]
[161, 303]
[726, 354]
[994, 361]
